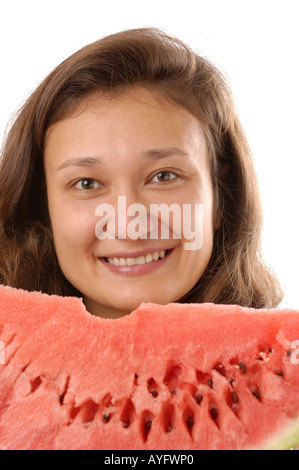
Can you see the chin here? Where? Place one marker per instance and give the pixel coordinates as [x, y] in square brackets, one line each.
[129, 305]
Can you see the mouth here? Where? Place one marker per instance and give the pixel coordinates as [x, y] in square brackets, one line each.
[140, 263]
[137, 260]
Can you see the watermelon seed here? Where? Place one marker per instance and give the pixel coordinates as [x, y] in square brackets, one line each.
[242, 367]
[280, 373]
[106, 417]
[198, 398]
[231, 381]
[126, 424]
[152, 387]
[235, 398]
[147, 426]
[188, 417]
[190, 422]
[210, 383]
[214, 413]
[289, 353]
[256, 394]
[220, 369]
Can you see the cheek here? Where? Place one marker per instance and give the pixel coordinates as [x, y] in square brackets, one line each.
[198, 216]
[73, 229]
[198, 255]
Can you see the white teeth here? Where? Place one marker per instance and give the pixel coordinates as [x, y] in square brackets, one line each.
[131, 261]
[148, 258]
[139, 260]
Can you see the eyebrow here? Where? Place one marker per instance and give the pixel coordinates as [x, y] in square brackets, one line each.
[163, 152]
[79, 162]
[154, 154]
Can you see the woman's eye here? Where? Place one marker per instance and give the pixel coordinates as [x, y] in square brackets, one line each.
[163, 176]
[87, 184]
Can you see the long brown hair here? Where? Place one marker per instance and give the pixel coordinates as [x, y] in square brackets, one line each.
[147, 57]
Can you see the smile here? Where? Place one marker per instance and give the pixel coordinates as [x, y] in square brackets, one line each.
[148, 258]
[137, 265]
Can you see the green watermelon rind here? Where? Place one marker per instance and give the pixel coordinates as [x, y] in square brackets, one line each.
[286, 440]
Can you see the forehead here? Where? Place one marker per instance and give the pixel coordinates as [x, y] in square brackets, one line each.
[133, 120]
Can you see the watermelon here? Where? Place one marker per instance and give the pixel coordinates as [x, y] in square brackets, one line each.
[176, 376]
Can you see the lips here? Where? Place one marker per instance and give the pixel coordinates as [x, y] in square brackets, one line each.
[136, 263]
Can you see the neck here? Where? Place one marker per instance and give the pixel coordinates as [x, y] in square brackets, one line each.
[105, 312]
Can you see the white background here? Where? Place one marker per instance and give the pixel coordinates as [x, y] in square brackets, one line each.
[256, 42]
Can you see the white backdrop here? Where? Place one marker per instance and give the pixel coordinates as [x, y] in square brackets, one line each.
[255, 42]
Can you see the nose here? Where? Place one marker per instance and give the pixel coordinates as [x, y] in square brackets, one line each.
[127, 217]
[131, 218]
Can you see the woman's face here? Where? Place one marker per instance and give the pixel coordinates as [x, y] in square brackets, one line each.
[134, 149]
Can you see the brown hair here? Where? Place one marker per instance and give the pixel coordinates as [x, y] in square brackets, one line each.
[147, 57]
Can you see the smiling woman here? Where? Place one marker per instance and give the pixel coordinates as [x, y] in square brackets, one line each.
[141, 116]
[126, 128]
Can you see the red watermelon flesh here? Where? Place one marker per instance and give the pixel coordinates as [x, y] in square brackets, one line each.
[180, 376]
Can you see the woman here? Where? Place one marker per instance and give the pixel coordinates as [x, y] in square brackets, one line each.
[136, 115]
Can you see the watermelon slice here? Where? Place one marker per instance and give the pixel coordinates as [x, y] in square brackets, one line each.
[180, 376]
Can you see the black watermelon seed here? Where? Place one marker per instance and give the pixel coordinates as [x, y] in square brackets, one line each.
[235, 398]
[126, 424]
[106, 418]
[190, 421]
[280, 373]
[210, 383]
[231, 381]
[242, 367]
[148, 425]
[288, 353]
[214, 413]
[154, 393]
[198, 398]
[256, 394]
[220, 369]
